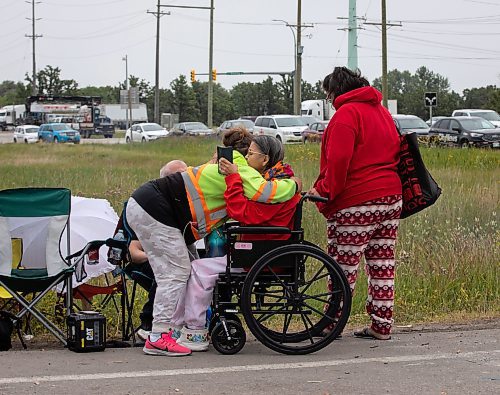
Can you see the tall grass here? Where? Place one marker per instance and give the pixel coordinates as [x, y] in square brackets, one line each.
[447, 255]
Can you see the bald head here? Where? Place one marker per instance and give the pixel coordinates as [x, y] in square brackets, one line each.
[174, 166]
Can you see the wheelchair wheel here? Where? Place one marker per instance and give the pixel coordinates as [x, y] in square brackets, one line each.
[228, 337]
[228, 316]
[286, 303]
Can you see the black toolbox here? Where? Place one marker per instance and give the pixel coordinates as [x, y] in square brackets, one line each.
[86, 331]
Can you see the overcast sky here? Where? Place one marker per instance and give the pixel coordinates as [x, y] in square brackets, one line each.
[458, 39]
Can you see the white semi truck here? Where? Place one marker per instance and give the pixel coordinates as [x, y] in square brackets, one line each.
[320, 109]
[11, 115]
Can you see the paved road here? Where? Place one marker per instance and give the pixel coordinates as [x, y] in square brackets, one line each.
[7, 137]
[450, 362]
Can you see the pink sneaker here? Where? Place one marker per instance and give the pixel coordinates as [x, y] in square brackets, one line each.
[165, 345]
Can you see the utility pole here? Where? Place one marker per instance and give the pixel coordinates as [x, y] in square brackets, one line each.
[210, 68]
[33, 36]
[352, 54]
[298, 67]
[158, 14]
[384, 55]
[210, 54]
[384, 25]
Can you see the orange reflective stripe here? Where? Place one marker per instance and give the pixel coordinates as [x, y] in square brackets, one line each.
[259, 192]
[273, 192]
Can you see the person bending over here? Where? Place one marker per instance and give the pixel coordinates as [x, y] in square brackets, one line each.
[140, 269]
[172, 212]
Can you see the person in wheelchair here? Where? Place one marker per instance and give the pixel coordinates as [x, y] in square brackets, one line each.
[266, 155]
[172, 212]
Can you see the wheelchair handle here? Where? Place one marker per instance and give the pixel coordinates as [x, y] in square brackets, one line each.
[314, 198]
[258, 230]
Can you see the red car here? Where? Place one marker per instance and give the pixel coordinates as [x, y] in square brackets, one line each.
[314, 132]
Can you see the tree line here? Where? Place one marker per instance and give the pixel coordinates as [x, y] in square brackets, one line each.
[189, 100]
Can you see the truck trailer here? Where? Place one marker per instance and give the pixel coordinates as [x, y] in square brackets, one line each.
[12, 115]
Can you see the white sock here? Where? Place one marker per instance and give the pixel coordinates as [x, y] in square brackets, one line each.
[154, 336]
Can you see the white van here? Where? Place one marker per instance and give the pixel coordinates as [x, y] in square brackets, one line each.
[489, 115]
[286, 128]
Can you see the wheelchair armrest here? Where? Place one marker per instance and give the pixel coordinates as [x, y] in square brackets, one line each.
[256, 230]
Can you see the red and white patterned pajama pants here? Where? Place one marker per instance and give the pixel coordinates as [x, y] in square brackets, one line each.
[369, 229]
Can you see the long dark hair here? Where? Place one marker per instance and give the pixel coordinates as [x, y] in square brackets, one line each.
[343, 80]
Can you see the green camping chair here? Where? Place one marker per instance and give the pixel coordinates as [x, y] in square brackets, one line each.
[37, 216]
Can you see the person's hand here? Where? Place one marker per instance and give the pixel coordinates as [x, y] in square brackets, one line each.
[313, 192]
[214, 159]
[227, 167]
[298, 181]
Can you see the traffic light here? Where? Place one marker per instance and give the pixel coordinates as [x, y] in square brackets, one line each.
[193, 75]
[214, 75]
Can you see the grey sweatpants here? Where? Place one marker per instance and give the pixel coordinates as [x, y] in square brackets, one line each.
[169, 258]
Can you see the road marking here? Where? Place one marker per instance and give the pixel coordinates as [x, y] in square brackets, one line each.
[243, 368]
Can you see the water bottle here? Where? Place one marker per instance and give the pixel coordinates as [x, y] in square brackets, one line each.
[115, 255]
[216, 244]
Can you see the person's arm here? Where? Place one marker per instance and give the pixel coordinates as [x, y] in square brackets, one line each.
[137, 253]
[336, 157]
[240, 208]
[258, 189]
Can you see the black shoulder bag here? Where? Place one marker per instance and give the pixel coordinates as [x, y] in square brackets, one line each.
[419, 188]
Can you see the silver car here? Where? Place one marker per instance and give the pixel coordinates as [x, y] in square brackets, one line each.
[192, 129]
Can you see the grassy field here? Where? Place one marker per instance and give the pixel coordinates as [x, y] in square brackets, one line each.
[448, 255]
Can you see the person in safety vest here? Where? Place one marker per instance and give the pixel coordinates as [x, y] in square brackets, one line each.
[172, 212]
[265, 155]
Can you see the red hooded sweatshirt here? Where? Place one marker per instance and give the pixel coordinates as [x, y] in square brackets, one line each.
[359, 152]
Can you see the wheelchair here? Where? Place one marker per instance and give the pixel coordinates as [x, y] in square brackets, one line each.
[280, 289]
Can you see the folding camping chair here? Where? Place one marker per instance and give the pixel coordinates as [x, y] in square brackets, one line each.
[37, 216]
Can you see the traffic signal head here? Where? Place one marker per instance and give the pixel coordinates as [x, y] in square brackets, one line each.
[193, 75]
[214, 75]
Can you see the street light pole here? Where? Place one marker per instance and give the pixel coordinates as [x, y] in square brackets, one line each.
[294, 58]
[125, 59]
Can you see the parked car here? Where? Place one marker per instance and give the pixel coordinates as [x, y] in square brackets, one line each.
[286, 128]
[314, 132]
[144, 132]
[58, 133]
[192, 129]
[309, 119]
[489, 115]
[226, 125]
[466, 132]
[26, 133]
[410, 124]
[434, 120]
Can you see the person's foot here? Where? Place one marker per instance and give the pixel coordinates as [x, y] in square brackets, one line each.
[194, 339]
[369, 333]
[143, 331]
[165, 345]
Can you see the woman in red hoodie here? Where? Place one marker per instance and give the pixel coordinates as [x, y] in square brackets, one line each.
[358, 175]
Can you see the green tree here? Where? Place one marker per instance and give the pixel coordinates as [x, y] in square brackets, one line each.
[485, 97]
[222, 106]
[108, 94]
[184, 100]
[49, 82]
[12, 93]
[408, 89]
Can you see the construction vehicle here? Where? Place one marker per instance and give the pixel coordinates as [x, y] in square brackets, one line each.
[84, 110]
